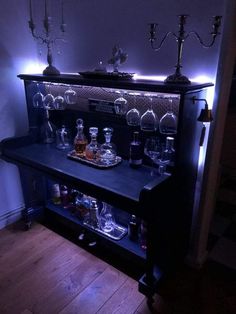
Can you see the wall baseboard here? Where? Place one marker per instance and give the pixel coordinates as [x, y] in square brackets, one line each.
[10, 217]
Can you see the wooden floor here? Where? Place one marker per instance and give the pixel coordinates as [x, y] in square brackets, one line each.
[42, 272]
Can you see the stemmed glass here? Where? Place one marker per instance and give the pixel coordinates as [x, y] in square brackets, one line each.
[168, 123]
[59, 101]
[149, 120]
[121, 104]
[70, 96]
[48, 100]
[166, 156]
[152, 149]
[38, 98]
[133, 115]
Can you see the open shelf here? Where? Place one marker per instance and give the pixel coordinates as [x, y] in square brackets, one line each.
[125, 243]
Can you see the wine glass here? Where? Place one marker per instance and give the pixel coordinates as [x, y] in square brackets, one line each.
[38, 98]
[121, 104]
[168, 123]
[133, 115]
[152, 149]
[149, 120]
[166, 155]
[48, 100]
[59, 101]
[70, 96]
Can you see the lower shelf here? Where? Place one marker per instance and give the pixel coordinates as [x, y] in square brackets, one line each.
[125, 245]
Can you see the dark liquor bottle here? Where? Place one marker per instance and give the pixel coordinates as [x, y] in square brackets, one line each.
[135, 152]
[133, 228]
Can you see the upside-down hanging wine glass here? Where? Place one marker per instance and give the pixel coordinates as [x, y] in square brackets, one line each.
[38, 98]
[149, 120]
[133, 115]
[168, 122]
[70, 96]
[59, 101]
[121, 104]
[48, 100]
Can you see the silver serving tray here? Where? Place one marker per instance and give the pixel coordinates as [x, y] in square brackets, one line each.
[116, 234]
[96, 163]
[107, 75]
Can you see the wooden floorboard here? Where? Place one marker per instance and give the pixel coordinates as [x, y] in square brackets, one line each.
[43, 273]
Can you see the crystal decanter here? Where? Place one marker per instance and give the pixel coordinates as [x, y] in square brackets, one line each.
[108, 149]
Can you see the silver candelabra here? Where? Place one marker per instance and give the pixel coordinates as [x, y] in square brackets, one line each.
[47, 38]
[180, 37]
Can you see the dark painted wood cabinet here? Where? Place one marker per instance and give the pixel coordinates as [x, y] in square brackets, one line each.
[164, 202]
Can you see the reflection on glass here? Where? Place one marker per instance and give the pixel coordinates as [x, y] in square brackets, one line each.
[149, 120]
[133, 115]
[38, 98]
[168, 123]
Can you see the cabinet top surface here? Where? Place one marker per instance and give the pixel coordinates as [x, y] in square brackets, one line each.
[121, 181]
[137, 84]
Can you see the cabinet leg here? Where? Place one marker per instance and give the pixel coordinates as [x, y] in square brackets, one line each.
[150, 301]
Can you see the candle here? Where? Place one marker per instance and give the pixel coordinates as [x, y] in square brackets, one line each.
[46, 10]
[30, 9]
[62, 12]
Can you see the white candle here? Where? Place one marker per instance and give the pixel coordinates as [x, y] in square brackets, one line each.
[62, 12]
[46, 10]
[30, 9]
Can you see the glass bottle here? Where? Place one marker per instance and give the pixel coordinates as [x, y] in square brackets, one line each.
[80, 140]
[133, 228]
[135, 152]
[106, 219]
[93, 219]
[47, 129]
[108, 149]
[91, 151]
[56, 194]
